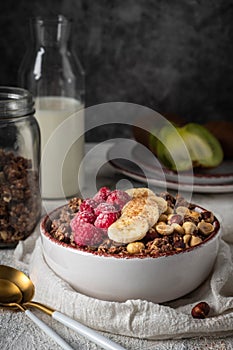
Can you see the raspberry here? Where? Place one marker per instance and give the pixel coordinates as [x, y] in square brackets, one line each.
[118, 198]
[86, 234]
[105, 208]
[81, 217]
[102, 194]
[88, 204]
[104, 220]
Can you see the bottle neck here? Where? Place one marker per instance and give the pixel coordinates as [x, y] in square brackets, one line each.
[51, 32]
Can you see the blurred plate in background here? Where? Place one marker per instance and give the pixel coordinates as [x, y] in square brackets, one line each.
[138, 163]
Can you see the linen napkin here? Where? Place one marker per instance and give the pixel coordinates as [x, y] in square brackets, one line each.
[137, 318]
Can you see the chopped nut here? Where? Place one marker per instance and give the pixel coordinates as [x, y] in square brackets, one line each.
[164, 229]
[163, 217]
[135, 247]
[189, 227]
[186, 239]
[205, 228]
[156, 241]
[201, 310]
[178, 228]
[3, 235]
[182, 211]
[193, 216]
[195, 240]
[169, 210]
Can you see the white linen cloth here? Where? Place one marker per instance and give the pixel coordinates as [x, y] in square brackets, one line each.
[138, 318]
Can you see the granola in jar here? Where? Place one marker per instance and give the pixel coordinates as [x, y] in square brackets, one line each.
[20, 202]
[19, 198]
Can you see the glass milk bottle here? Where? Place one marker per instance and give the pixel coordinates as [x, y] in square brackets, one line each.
[54, 76]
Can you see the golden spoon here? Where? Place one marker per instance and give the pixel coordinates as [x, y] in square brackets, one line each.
[10, 276]
[9, 292]
[11, 297]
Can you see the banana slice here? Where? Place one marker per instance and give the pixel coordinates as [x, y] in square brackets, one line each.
[162, 204]
[141, 206]
[137, 216]
[140, 192]
[146, 192]
[128, 229]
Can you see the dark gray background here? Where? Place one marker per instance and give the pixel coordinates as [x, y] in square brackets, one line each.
[173, 56]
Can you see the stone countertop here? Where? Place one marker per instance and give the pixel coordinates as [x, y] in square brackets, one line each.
[18, 332]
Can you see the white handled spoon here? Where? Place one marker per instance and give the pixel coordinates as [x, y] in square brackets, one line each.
[26, 288]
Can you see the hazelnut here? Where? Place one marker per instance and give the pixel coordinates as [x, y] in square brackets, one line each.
[195, 240]
[208, 216]
[178, 228]
[182, 211]
[169, 211]
[201, 310]
[189, 227]
[164, 229]
[205, 228]
[135, 247]
[193, 216]
[186, 239]
[3, 235]
[163, 217]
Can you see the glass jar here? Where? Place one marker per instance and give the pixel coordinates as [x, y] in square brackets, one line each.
[20, 203]
[52, 73]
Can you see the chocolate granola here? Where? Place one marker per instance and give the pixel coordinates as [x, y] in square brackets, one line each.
[181, 227]
[19, 198]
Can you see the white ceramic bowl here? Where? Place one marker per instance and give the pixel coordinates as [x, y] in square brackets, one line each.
[158, 279]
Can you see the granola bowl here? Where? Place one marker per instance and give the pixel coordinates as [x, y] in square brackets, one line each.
[157, 275]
